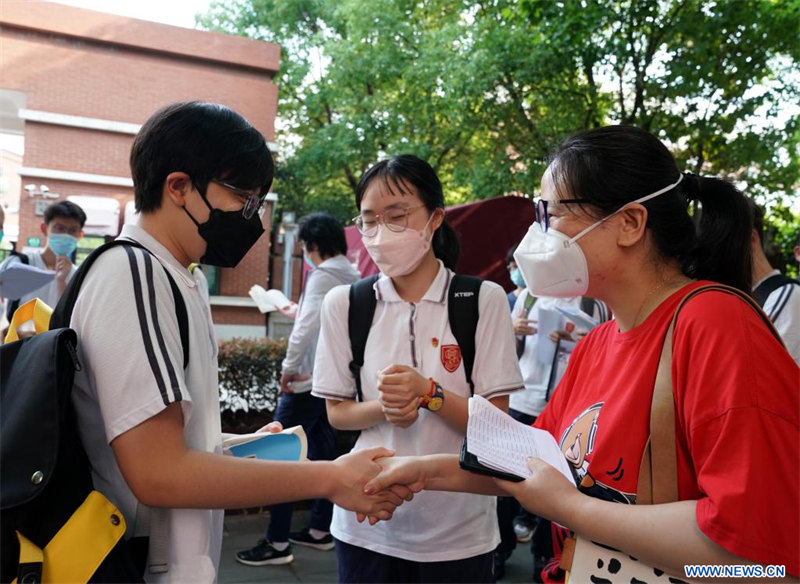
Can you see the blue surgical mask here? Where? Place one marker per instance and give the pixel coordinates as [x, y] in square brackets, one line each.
[1, 235]
[62, 244]
[516, 277]
[308, 261]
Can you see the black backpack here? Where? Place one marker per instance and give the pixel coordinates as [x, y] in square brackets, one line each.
[462, 314]
[46, 472]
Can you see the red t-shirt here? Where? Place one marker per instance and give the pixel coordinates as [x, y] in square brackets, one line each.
[737, 395]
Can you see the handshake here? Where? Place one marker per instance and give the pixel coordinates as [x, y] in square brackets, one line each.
[362, 483]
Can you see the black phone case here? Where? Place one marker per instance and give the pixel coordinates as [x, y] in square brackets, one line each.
[470, 462]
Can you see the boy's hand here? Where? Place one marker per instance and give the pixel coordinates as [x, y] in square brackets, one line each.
[352, 473]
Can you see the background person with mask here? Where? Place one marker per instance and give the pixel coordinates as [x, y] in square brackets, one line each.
[325, 252]
[63, 227]
[414, 388]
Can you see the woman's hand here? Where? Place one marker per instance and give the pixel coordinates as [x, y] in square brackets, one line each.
[400, 385]
[406, 471]
[546, 492]
[401, 417]
[352, 472]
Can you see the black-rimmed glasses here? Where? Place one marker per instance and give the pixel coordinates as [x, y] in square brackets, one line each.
[540, 210]
[253, 203]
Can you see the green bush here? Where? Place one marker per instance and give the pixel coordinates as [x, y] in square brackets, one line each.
[249, 374]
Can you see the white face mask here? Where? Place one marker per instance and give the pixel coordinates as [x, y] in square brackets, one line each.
[398, 253]
[552, 264]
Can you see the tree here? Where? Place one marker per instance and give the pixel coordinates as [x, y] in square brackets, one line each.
[485, 89]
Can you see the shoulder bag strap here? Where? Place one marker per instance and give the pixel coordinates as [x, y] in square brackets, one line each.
[658, 471]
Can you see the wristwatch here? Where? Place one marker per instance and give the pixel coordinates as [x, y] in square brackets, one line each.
[434, 400]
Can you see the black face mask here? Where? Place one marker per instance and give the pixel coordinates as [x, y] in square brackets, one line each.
[228, 235]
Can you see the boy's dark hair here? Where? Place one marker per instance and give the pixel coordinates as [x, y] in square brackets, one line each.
[206, 141]
[64, 210]
[324, 232]
[415, 171]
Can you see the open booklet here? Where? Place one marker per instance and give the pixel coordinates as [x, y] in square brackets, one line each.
[497, 445]
[290, 444]
[268, 300]
[18, 279]
[579, 317]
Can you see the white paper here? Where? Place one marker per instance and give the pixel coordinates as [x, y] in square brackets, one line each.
[579, 317]
[502, 443]
[549, 321]
[268, 300]
[18, 279]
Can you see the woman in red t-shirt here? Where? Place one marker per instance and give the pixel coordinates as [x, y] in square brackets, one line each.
[613, 222]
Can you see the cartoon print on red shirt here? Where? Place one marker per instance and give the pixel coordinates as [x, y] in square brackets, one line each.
[577, 443]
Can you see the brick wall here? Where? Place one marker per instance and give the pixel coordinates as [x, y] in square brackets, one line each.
[79, 62]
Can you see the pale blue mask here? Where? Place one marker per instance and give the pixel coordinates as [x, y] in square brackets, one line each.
[516, 277]
[62, 244]
[309, 263]
[1, 235]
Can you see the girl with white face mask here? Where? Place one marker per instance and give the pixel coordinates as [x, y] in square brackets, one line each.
[614, 223]
[414, 387]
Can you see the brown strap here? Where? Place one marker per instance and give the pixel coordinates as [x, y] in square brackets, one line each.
[567, 553]
[658, 471]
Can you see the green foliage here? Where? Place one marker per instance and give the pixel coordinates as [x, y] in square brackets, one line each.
[781, 233]
[485, 89]
[249, 374]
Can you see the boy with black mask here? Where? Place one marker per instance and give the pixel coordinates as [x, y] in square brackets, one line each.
[150, 427]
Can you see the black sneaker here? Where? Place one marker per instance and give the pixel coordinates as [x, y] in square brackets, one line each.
[304, 538]
[263, 554]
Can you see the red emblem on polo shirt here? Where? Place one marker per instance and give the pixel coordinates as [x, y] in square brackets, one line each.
[451, 357]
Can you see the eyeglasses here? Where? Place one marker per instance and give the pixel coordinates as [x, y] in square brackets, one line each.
[61, 229]
[394, 219]
[252, 203]
[540, 210]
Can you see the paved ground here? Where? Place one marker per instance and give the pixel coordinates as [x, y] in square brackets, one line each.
[242, 531]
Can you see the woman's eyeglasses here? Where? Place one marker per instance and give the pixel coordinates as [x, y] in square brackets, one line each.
[540, 210]
[394, 219]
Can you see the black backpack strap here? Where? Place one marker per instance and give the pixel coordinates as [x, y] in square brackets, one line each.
[463, 314]
[359, 321]
[62, 314]
[768, 286]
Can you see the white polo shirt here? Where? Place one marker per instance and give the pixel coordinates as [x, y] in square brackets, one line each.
[130, 350]
[435, 526]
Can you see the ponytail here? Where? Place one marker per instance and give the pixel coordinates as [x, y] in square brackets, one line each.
[446, 246]
[724, 221]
